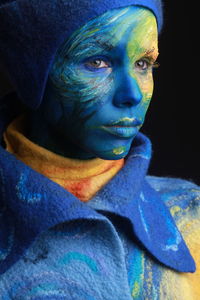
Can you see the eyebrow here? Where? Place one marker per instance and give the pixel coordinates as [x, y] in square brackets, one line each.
[108, 47]
[147, 52]
[105, 45]
[152, 53]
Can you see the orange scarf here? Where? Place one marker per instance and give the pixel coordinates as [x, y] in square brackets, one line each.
[82, 178]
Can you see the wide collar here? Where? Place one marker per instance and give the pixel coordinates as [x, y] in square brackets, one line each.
[31, 204]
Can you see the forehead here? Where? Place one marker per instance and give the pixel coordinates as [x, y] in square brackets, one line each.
[134, 26]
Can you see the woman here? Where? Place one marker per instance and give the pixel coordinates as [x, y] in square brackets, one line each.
[80, 219]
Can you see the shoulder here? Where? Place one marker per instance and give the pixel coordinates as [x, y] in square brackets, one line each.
[170, 183]
[182, 197]
[176, 191]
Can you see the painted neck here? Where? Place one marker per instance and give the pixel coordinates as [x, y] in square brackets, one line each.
[46, 136]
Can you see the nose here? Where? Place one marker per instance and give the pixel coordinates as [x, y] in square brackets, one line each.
[127, 93]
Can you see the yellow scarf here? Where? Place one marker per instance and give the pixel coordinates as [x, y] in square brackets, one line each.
[82, 178]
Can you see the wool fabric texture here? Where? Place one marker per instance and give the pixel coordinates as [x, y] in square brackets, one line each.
[125, 243]
[31, 31]
[35, 203]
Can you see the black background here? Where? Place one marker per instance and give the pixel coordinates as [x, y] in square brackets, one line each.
[172, 122]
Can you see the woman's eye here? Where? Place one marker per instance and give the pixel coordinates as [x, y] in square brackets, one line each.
[97, 64]
[142, 64]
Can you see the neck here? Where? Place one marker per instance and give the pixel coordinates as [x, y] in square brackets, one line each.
[82, 178]
[42, 133]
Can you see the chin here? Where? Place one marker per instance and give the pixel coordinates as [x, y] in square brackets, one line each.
[114, 154]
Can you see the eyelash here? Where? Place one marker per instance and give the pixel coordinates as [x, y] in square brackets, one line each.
[150, 64]
[88, 64]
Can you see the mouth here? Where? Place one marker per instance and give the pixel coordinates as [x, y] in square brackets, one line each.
[125, 128]
[125, 122]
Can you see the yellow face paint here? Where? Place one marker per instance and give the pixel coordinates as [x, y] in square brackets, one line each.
[140, 47]
[119, 150]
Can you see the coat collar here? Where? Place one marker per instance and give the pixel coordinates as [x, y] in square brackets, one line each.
[129, 195]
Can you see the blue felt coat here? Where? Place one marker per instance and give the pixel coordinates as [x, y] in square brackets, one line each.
[53, 246]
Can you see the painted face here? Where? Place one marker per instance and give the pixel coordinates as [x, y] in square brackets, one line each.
[100, 84]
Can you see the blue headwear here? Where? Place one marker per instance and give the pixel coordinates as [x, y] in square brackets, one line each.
[31, 31]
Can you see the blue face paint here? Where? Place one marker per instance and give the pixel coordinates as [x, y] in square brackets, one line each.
[100, 86]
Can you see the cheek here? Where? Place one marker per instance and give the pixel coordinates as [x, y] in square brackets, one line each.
[78, 85]
[92, 86]
[84, 96]
[80, 92]
[146, 85]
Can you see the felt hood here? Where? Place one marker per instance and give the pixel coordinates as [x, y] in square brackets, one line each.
[31, 31]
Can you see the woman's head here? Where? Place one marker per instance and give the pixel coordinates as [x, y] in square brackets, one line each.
[100, 84]
[31, 32]
[87, 65]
